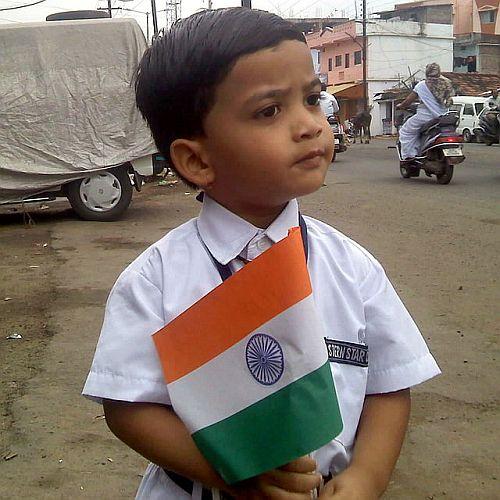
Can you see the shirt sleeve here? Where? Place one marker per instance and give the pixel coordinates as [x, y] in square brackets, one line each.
[335, 104]
[398, 356]
[126, 366]
[418, 88]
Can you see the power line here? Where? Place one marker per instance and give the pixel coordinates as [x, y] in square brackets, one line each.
[22, 6]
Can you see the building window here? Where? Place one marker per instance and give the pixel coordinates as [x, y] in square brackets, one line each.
[357, 57]
[341, 75]
[330, 64]
[488, 16]
[347, 62]
[338, 61]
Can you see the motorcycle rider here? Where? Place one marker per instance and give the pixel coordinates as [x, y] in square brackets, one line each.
[434, 94]
[493, 102]
[328, 103]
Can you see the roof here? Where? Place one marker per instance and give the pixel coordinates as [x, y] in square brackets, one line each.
[350, 90]
[392, 94]
[416, 5]
[473, 84]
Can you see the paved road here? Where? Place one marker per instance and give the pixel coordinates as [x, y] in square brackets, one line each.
[439, 245]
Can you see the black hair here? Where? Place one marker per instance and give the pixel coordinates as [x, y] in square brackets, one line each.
[178, 75]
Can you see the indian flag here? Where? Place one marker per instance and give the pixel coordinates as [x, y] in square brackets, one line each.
[247, 368]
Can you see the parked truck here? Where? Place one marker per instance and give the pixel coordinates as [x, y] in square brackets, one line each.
[69, 125]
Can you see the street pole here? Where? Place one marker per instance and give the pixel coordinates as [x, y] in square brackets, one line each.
[155, 19]
[109, 7]
[147, 26]
[365, 46]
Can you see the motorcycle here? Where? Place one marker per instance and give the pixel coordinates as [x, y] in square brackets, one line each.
[488, 130]
[339, 135]
[441, 149]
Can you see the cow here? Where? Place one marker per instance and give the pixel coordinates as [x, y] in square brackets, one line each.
[362, 122]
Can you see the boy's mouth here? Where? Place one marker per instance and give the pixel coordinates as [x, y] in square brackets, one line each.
[312, 157]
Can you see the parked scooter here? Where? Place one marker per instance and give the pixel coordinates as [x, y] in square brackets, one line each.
[441, 150]
[339, 135]
[488, 130]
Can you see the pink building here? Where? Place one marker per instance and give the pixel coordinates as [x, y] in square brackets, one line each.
[340, 57]
[477, 36]
[476, 16]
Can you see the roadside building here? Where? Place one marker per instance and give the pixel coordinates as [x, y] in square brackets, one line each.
[476, 26]
[396, 49]
[477, 36]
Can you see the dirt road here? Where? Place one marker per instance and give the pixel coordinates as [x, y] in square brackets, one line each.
[439, 245]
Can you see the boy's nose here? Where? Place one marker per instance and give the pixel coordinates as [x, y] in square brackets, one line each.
[307, 126]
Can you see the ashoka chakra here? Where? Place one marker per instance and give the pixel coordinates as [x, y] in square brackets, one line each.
[265, 358]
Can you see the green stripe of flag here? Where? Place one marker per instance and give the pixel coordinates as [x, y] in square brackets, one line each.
[292, 422]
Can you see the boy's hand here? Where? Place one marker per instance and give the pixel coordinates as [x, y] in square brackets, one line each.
[293, 481]
[352, 484]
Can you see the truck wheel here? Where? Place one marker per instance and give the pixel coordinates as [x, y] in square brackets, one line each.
[102, 196]
[446, 175]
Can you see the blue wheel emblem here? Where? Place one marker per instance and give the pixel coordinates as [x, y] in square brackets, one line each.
[265, 359]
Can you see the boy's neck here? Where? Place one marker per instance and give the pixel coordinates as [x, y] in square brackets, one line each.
[261, 217]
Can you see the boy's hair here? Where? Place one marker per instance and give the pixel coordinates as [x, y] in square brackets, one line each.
[178, 75]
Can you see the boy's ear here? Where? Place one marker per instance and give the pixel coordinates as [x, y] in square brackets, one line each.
[191, 162]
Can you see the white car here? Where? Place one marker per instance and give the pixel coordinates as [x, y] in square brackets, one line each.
[468, 109]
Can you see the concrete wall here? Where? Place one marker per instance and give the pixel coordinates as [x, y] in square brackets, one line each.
[419, 45]
[489, 58]
[440, 14]
[463, 16]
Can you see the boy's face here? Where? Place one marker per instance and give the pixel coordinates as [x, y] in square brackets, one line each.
[266, 138]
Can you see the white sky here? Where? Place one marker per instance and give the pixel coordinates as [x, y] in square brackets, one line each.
[286, 8]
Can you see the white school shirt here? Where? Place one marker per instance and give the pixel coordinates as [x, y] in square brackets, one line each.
[354, 299]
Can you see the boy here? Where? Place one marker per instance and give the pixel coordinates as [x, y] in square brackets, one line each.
[231, 97]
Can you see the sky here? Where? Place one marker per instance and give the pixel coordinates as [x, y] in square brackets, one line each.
[285, 8]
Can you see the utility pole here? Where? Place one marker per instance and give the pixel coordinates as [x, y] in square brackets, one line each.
[155, 18]
[365, 46]
[109, 7]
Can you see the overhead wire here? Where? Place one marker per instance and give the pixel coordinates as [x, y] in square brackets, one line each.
[22, 6]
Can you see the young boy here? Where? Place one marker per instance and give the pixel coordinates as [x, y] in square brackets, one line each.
[231, 97]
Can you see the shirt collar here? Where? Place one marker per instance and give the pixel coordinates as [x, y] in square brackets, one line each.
[226, 234]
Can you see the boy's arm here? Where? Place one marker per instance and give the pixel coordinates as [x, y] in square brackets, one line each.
[157, 433]
[379, 438]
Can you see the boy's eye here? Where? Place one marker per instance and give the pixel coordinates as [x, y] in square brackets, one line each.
[270, 111]
[313, 100]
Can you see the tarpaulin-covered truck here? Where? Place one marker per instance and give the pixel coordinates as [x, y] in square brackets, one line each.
[69, 125]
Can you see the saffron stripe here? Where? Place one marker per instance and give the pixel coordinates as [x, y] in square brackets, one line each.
[292, 422]
[270, 284]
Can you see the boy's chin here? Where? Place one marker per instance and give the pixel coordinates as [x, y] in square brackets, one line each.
[311, 188]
